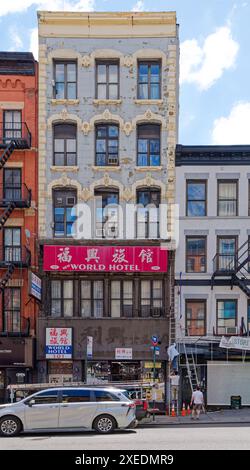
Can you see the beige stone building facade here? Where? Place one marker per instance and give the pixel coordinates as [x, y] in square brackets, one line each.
[108, 127]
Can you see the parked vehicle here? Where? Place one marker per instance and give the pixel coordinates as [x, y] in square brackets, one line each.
[136, 394]
[61, 408]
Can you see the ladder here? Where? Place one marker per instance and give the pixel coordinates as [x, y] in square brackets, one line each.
[171, 334]
[191, 367]
[7, 276]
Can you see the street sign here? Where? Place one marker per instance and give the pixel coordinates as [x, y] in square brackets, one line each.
[156, 348]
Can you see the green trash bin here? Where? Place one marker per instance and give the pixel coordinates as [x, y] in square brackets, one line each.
[235, 402]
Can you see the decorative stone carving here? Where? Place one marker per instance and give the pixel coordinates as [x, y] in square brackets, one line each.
[86, 61]
[62, 182]
[127, 194]
[64, 114]
[128, 61]
[106, 179]
[148, 114]
[86, 194]
[128, 128]
[85, 128]
[149, 180]
[107, 115]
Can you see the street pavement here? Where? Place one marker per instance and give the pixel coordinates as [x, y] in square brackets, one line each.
[211, 417]
[184, 437]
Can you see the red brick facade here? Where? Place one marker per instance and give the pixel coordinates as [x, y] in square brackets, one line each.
[18, 180]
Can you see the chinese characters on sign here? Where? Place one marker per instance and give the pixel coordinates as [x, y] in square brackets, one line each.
[123, 353]
[58, 343]
[105, 258]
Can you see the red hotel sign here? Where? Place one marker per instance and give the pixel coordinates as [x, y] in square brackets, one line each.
[105, 258]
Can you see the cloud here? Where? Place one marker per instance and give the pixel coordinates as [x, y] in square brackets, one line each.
[34, 42]
[139, 6]
[204, 65]
[17, 6]
[16, 41]
[235, 128]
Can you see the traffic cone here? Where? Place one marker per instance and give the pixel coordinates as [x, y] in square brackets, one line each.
[183, 411]
[188, 410]
[173, 414]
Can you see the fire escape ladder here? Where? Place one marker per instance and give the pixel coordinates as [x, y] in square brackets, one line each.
[7, 153]
[236, 266]
[7, 212]
[6, 277]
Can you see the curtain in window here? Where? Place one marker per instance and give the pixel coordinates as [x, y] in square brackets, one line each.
[98, 298]
[68, 298]
[115, 298]
[227, 199]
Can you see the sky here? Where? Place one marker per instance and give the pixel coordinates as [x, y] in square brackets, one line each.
[214, 58]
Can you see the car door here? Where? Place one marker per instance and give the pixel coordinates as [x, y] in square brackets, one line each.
[111, 403]
[42, 410]
[77, 408]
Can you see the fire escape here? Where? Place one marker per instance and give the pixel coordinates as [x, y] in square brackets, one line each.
[234, 268]
[18, 196]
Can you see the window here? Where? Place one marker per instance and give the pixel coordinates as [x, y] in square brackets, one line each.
[12, 309]
[226, 316]
[107, 141]
[12, 244]
[44, 398]
[101, 395]
[148, 145]
[149, 80]
[226, 253]
[76, 396]
[62, 298]
[227, 198]
[121, 298]
[249, 198]
[64, 212]
[196, 317]
[92, 299]
[12, 184]
[65, 144]
[151, 298]
[195, 254]
[248, 317]
[196, 199]
[148, 201]
[106, 211]
[107, 80]
[12, 125]
[65, 80]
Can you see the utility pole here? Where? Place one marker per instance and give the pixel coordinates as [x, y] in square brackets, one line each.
[155, 347]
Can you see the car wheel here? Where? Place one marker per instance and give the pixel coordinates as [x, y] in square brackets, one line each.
[10, 426]
[104, 424]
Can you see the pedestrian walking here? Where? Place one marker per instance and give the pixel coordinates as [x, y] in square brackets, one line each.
[197, 402]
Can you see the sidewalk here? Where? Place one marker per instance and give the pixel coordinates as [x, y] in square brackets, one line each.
[211, 417]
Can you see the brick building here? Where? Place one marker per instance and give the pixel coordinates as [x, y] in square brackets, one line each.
[18, 220]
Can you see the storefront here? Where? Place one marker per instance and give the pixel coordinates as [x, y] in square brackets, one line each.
[119, 296]
[16, 363]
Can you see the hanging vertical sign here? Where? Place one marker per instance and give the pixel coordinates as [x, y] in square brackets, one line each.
[89, 347]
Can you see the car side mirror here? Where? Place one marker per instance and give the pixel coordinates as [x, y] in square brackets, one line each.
[31, 402]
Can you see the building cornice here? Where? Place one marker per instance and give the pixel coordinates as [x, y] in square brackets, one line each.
[97, 24]
[191, 155]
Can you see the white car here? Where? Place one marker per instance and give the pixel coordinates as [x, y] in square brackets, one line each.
[64, 408]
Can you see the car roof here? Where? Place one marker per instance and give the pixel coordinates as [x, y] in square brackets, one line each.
[109, 389]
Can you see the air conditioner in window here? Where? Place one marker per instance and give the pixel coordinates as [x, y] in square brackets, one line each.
[231, 330]
[112, 160]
